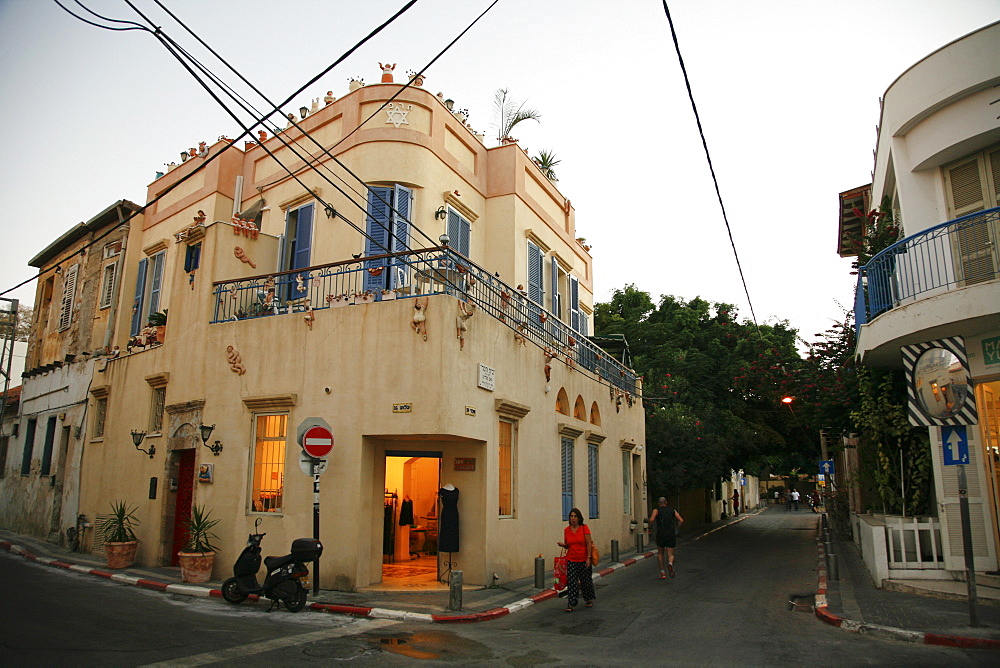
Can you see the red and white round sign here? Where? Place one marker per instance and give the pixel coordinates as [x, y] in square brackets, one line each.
[317, 441]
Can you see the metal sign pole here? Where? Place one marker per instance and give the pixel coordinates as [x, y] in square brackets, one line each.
[970, 566]
[315, 524]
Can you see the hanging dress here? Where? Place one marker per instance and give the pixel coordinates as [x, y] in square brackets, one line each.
[448, 522]
[406, 512]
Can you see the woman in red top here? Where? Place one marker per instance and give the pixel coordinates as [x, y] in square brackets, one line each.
[576, 540]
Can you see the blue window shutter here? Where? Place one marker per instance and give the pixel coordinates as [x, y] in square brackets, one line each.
[378, 226]
[156, 285]
[400, 243]
[574, 302]
[140, 292]
[301, 247]
[192, 257]
[554, 288]
[535, 292]
[303, 237]
[454, 230]
[465, 238]
[50, 437]
[592, 480]
[458, 233]
[29, 447]
[567, 477]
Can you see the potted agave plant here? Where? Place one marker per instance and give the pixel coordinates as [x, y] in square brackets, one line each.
[198, 555]
[118, 530]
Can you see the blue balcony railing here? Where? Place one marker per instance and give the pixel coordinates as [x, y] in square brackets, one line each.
[414, 274]
[951, 255]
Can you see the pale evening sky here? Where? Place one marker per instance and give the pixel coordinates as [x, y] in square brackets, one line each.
[788, 94]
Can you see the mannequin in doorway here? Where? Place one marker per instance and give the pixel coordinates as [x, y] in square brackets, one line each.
[448, 521]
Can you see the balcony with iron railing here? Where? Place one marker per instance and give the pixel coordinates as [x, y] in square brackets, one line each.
[411, 274]
[957, 254]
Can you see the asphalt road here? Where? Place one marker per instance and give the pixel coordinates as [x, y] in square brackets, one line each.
[728, 605]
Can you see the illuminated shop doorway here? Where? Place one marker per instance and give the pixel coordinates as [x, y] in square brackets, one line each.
[410, 522]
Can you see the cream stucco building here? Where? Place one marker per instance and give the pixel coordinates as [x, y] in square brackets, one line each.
[422, 295]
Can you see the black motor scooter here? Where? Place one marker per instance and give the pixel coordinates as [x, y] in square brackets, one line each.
[285, 575]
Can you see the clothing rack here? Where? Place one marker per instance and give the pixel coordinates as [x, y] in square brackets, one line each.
[389, 525]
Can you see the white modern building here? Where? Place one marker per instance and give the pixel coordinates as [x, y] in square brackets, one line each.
[938, 164]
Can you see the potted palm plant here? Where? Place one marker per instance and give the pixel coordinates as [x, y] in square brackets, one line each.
[198, 555]
[118, 530]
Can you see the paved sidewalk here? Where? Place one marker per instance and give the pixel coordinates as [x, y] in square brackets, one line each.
[924, 611]
[478, 604]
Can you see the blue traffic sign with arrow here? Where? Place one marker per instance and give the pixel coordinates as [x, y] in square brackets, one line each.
[826, 467]
[956, 445]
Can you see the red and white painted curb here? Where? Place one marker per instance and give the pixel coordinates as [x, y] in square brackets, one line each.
[353, 610]
[925, 638]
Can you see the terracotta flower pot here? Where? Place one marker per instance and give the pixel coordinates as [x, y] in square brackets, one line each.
[120, 555]
[196, 566]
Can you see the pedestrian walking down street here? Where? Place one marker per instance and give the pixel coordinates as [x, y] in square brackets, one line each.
[579, 577]
[814, 501]
[736, 502]
[668, 523]
[788, 500]
[795, 498]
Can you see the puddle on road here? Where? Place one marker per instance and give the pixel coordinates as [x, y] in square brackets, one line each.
[443, 645]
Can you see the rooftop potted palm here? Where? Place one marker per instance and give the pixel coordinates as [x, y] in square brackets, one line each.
[198, 555]
[118, 530]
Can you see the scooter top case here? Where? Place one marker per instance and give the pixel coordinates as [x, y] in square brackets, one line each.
[306, 549]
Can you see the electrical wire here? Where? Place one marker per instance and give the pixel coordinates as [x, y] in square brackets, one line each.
[708, 156]
[106, 18]
[213, 157]
[96, 25]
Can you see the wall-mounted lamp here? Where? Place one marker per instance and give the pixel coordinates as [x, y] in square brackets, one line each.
[303, 111]
[440, 213]
[444, 239]
[137, 437]
[206, 433]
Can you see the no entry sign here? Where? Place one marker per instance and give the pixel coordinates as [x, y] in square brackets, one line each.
[317, 441]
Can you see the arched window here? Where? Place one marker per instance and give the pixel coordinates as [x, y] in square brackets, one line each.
[580, 409]
[595, 414]
[562, 402]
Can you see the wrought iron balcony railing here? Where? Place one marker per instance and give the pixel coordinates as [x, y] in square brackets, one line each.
[951, 255]
[414, 274]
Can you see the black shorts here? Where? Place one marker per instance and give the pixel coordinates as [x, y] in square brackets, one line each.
[666, 541]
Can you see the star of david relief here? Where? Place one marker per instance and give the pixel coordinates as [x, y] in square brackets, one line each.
[397, 113]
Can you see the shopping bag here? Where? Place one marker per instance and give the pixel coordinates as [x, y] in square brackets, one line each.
[559, 573]
[594, 554]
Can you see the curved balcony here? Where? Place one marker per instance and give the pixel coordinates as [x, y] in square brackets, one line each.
[904, 291]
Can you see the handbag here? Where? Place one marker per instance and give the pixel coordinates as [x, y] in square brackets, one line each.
[595, 556]
[559, 572]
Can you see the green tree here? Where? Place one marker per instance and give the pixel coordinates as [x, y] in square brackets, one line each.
[712, 387]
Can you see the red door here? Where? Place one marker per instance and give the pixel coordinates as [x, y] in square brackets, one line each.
[182, 505]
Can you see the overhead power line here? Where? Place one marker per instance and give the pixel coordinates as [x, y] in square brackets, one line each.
[211, 158]
[708, 156]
